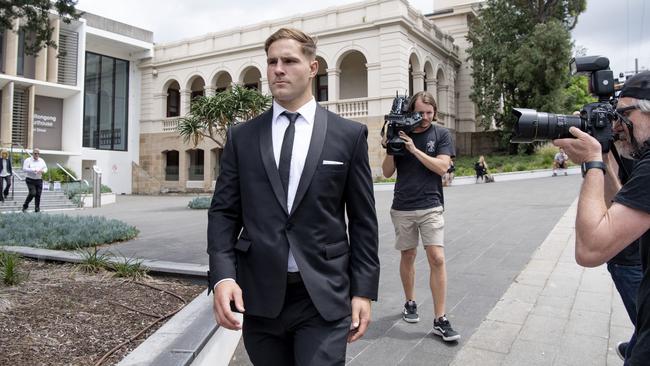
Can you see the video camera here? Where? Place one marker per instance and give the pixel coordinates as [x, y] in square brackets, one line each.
[399, 119]
[595, 119]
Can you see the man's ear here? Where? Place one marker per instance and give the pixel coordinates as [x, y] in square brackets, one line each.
[313, 68]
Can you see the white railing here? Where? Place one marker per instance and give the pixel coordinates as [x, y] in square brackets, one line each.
[348, 108]
[169, 124]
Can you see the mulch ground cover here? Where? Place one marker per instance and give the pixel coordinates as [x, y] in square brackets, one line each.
[61, 315]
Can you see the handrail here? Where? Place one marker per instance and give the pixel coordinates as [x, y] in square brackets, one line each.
[18, 175]
[72, 176]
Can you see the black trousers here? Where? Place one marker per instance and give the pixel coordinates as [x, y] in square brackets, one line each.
[35, 187]
[299, 336]
[6, 183]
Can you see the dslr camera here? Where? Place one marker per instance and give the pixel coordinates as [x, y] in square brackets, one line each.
[399, 119]
[595, 119]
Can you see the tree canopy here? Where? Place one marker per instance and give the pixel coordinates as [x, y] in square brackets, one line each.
[34, 15]
[520, 51]
[211, 116]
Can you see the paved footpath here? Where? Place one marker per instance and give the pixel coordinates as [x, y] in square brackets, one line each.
[514, 291]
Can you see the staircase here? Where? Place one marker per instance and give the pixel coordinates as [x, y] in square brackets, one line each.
[50, 200]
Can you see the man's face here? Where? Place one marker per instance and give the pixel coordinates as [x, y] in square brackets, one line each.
[641, 127]
[36, 154]
[290, 73]
[426, 110]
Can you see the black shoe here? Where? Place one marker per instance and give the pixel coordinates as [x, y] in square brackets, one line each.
[410, 312]
[24, 210]
[442, 327]
[621, 348]
[37, 210]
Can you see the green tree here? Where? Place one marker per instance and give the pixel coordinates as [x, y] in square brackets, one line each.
[520, 51]
[34, 15]
[211, 116]
[577, 94]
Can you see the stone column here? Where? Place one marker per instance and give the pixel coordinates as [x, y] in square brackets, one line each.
[40, 72]
[431, 86]
[207, 169]
[183, 166]
[186, 96]
[418, 81]
[52, 53]
[31, 99]
[11, 50]
[7, 113]
[159, 106]
[264, 82]
[209, 91]
[333, 75]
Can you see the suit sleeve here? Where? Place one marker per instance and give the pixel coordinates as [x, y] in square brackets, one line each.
[362, 223]
[224, 218]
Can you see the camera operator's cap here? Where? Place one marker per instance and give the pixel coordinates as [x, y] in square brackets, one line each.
[637, 87]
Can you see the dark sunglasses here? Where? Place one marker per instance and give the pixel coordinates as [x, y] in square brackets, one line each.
[621, 114]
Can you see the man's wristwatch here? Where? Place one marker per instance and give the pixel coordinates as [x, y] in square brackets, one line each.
[591, 165]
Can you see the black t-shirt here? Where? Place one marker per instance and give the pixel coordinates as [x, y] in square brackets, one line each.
[636, 194]
[417, 187]
[629, 256]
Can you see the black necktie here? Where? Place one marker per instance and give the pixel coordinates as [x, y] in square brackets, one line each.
[285, 153]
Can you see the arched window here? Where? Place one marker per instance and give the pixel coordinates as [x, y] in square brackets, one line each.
[196, 164]
[171, 165]
[173, 100]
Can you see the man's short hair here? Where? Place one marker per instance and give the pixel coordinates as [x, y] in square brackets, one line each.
[426, 98]
[308, 43]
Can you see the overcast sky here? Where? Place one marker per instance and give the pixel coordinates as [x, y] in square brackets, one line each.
[616, 29]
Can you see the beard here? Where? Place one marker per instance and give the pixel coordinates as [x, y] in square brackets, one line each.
[624, 148]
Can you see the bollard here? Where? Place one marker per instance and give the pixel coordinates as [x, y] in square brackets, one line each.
[97, 187]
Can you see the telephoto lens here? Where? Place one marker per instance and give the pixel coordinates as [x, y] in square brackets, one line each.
[541, 126]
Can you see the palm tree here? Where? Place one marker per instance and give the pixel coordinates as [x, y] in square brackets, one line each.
[211, 116]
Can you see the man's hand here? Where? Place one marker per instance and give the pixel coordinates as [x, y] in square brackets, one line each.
[360, 318]
[581, 149]
[224, 293]
[408, 142]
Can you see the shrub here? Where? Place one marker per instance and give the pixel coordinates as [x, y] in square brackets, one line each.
[129, 268]
[200, 203]
[9, 263]
[57, 174]
[93, 261]
[60, 231]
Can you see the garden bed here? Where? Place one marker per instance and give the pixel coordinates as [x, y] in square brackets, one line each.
[60, 315]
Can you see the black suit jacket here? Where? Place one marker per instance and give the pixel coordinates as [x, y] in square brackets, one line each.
[8, 165]
[250, 229]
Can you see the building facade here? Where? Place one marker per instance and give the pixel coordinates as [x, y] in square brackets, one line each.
[78, 103]
[367, 52]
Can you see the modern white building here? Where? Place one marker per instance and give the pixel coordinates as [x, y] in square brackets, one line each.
[80, 103]
[367, 51]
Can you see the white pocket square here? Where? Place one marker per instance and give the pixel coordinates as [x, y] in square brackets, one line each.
[332, 162]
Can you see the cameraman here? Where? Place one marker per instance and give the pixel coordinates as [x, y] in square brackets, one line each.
[601, 232]
[418, 207]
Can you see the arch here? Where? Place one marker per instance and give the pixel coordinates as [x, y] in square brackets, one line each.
[344, 51]
[221, 81]
[173, 100]
[413, 68]
[169, 81]
[251, 77]
[442, 91]
[197, 87]
[192, 79]
[353, 82]
[171, 163]
[320, 84]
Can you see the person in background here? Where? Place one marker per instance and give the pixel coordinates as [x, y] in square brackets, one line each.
[5, 175]
[481, 168]
[560, 161]
[34, 167]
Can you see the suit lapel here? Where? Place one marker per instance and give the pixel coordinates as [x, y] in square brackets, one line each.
[313, 156]
[268, 158]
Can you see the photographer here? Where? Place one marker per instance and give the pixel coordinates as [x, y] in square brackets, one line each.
[418, 207]
[601, 233]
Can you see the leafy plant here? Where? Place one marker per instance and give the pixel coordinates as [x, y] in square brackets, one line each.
[200, 203]
[92, 260]
[129, 268]
[211, 116]
[58, 175]
[9, 263]
[60, 231]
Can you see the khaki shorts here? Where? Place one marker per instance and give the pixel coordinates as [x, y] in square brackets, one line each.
[429, 223]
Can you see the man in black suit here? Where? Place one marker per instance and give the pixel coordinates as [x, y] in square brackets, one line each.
[280, 251]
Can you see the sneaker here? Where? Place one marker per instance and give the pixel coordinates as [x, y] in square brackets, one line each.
[442, 327]
[410, 312]
[554, 174]
[621, 348]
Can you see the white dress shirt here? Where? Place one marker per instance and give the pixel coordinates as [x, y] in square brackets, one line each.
[301, 141]
[34, 168]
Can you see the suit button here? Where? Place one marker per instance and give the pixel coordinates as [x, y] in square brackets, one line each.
[289, 226]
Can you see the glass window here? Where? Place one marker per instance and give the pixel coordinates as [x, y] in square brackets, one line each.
[171, 167]
[20, 67]
[196, 165]
[106, 102]
[173, 102]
